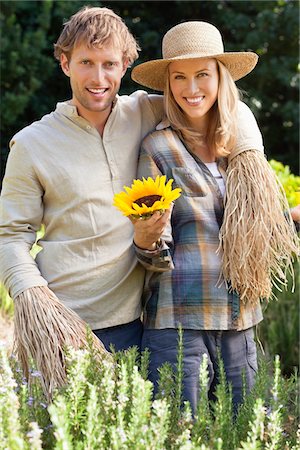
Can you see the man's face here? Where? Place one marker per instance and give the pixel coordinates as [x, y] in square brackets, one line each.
[95, 76]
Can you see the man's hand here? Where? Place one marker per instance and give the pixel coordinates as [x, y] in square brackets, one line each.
[148, 231]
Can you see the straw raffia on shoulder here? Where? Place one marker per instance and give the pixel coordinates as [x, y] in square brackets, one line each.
[258, 241]
[43, 329]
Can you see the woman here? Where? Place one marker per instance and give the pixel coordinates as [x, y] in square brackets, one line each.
[213, 285]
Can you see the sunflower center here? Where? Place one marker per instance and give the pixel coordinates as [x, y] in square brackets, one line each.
[148, 200]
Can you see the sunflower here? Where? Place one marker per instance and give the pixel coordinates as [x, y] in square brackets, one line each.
[146, 196]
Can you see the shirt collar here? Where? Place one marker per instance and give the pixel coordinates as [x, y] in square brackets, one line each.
[165, 123]
[67, 109]
[221, 162]
[70, 110]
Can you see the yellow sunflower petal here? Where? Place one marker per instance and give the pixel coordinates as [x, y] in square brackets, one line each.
[124, 208]
[126, 201]
[161, 182]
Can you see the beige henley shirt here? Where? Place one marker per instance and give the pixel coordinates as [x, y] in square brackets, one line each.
[60, 172]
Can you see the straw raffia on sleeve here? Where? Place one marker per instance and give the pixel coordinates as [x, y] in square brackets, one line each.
[258, 241]
[43, 329]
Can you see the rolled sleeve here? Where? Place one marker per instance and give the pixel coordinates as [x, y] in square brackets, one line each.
[21, 215]
[249, 136]
[158, 260]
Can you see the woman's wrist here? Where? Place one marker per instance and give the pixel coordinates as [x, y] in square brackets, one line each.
[149, 247]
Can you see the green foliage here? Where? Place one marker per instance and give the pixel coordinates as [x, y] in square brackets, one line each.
[25, 66]
[203, 422]
[107, 405]
[32, 82]
[27, 63]
[279, 331]
[6, 303]
[271, 29]
[222, 409]
[289, 181]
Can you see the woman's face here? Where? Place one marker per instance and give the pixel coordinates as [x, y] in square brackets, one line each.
[194, 84]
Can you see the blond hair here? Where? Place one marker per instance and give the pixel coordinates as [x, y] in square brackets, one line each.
[221, 133]
[96, 27]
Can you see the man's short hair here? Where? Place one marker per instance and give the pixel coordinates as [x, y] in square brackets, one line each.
[96, 27]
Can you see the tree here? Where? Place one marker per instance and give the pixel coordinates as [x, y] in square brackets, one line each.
[32, 82]
[28, 69]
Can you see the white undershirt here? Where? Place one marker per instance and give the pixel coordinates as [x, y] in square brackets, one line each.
[213, 168]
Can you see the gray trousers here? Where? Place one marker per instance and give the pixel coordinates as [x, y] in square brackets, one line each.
[237, 349]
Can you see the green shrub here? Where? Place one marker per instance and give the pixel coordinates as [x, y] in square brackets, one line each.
[289, 181]
[279, 331]
[6, 303]
[109, 406]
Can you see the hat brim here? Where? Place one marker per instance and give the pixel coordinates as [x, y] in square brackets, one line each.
[152, 74]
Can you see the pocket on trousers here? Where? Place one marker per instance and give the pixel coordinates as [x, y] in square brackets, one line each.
[251, 350]
[157, 340]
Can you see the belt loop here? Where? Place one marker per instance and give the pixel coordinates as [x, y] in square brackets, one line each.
[235, 307]
[219, 334]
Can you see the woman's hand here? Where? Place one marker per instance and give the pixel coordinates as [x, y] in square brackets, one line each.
[148, 231]
[295, 213]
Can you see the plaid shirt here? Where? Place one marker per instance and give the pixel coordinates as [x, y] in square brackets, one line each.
[184, 285]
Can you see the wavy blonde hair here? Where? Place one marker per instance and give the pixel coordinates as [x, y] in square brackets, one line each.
[221, 133]
[96, 27]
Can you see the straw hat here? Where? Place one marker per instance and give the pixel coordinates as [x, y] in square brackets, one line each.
[191, 40]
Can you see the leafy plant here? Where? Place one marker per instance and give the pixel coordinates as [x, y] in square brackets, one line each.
[110, 406]
[6, 303]
[289, 181]
[279, 332]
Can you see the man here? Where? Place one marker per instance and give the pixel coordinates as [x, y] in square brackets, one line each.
[64, 170]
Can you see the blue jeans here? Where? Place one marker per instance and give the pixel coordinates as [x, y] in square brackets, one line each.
[121, 337]
[237, 349]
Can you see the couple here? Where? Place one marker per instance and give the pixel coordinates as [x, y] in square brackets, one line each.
[64, 170]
